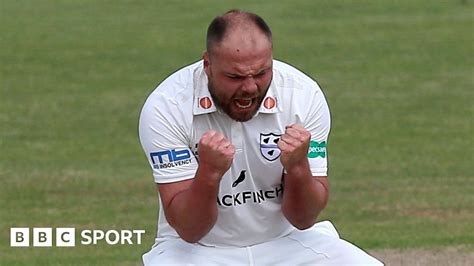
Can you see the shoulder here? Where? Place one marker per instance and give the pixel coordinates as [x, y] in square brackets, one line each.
[290, 80]
[289, 71]
[179, 85]
[171, 102]
[177, 90]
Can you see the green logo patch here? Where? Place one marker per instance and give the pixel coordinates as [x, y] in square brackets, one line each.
[317, 149]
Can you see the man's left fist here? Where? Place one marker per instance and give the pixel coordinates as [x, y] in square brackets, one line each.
[294, 144]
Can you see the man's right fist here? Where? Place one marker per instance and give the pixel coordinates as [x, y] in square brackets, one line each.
[215, 152]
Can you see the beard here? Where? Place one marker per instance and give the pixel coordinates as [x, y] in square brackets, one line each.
[228, 106]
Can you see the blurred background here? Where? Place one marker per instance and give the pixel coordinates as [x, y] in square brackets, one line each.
[398, 76]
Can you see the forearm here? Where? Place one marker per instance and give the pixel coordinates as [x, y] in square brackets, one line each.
[190, 206]
[304, 197]
[193, 212]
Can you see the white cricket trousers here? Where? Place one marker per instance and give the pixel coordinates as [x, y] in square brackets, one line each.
[318, 245]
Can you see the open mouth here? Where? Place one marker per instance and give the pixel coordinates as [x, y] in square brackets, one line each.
[244, 103]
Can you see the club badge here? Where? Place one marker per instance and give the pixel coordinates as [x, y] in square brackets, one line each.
[269, 146]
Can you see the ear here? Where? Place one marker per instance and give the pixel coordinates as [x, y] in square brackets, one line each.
[206, 62]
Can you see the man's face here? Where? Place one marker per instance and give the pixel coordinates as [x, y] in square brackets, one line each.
[239, 76]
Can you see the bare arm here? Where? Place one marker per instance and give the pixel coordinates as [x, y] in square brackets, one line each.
[190, 206]
[305, 196]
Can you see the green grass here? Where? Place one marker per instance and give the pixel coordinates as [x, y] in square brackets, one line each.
[73, 76]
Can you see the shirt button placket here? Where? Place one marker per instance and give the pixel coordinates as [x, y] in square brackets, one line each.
[237, 138]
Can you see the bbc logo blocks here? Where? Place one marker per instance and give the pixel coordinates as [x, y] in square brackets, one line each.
[20, 237]
[66, 237]
[42, 237]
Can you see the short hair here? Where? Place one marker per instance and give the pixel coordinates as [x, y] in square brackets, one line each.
[220, 24]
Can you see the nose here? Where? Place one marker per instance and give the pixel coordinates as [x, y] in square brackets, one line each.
[249, 85]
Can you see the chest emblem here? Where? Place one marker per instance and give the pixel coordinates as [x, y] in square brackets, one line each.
[239, 179]
[268, 146]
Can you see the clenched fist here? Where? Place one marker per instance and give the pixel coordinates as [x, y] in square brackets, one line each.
[215, 152]
[294, 144]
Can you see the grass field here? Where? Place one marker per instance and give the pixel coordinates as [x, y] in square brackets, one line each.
[398, 76]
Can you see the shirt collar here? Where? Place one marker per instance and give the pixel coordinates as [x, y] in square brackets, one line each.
[271, 103]
[203, 103]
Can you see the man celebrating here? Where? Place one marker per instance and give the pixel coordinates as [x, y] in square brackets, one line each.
[237, 144]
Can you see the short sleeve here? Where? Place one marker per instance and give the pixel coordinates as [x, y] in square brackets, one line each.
[163, 136]
[318, 122]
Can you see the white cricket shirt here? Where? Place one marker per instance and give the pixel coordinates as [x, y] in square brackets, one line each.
[180, 110]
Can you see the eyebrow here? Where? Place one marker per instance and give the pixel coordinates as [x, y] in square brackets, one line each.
[261, 71]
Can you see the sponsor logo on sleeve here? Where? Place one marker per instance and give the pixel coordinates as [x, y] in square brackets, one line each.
[317, 149]
[170, 158]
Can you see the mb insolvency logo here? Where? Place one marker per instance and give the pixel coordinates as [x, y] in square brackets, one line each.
[317, 149]
[170, 158]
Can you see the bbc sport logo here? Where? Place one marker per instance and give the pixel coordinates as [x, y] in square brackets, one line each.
[66, 237]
